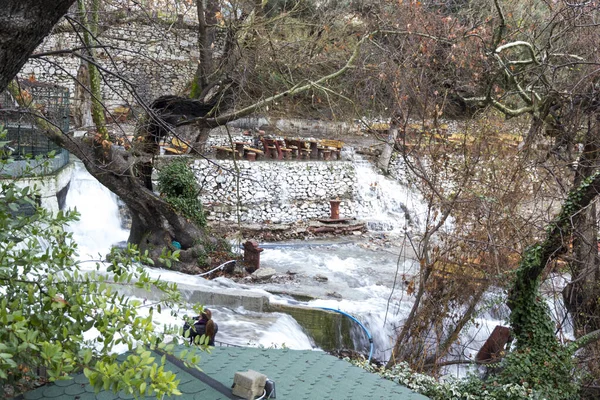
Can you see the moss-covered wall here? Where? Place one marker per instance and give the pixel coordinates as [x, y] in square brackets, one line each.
[329, 330]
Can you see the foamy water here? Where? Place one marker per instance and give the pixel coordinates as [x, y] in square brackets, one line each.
[352, 278]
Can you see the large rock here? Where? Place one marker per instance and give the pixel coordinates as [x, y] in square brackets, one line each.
[263, 274]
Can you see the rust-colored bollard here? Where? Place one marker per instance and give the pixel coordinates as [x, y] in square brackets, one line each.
[494, 347]
[335, 208]
[252, 255]
[251, 156]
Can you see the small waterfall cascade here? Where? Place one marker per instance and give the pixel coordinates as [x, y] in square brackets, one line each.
[99, 225]
[358, 280]
[349, 276]
[385, 203]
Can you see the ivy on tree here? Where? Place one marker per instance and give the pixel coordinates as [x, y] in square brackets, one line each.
[178, 184]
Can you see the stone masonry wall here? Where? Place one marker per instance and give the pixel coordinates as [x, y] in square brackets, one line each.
[155, 60]
[275, 191]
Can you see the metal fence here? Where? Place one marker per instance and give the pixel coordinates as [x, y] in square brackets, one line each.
[37, 104]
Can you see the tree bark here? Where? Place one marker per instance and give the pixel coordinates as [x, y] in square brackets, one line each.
[582, 293]
[82, 109]
[383, 162]
[207, 21]
[155, 224]
[94, 82]
[23, 26]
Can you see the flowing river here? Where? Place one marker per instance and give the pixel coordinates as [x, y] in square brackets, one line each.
[362, 276]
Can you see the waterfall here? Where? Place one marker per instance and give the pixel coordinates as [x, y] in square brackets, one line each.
[356, 276]
[99, 225]
[384, 203]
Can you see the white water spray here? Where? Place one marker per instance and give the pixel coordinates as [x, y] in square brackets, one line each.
[384, 203]
[359, 281]
[99, 226]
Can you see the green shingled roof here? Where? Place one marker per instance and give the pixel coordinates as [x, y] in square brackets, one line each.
[298, 374]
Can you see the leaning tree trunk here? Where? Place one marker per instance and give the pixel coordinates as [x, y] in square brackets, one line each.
[23, 26]
[383, 161]
[155, 224]
[582, 293]
[532, 325]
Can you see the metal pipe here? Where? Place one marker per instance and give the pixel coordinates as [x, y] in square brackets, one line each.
[359, 323]
[219, 267]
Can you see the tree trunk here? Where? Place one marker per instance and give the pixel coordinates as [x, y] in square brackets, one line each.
[383, 162]
[89, 37]
[155, 224]
[82, 108]
[582, 293]
[23, 26]
[207, 21]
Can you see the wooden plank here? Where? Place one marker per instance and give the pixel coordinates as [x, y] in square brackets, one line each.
[252, 149]
[338, 144]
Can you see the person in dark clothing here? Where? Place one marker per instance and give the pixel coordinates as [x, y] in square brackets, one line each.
[204, 325]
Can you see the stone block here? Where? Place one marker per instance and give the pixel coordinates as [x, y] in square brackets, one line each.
[249, 384]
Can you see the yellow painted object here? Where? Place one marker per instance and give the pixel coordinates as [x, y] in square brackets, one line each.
[121, 113]
[379, 126]
[172, 150]
[252, 149]
[338, 144]
[180, 145]
[471, 269]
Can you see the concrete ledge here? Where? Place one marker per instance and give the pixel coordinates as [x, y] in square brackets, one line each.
[230, 298]
[329, 330]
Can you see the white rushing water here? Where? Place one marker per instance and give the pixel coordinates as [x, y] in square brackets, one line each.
[357, 277]
[99, 226]
[384, 203]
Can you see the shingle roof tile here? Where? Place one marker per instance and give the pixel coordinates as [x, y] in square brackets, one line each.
[298, 375]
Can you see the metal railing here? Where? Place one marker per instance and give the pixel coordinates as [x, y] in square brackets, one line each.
[28, 167]
[28, 148]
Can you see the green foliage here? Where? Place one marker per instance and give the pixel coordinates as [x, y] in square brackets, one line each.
[470, 388]
[177, 182]
[539, 359]
[56, 315]
[548, 371]
[218, 248]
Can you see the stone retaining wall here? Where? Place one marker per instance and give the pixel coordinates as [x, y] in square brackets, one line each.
[275, 191]
[156, 61]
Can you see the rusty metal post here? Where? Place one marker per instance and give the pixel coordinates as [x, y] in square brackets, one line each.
[493, 348]
[335, 208]
[251, 156]
[252, 255]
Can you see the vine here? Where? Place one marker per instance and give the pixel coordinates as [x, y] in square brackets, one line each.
[539, 359]
[178, 185]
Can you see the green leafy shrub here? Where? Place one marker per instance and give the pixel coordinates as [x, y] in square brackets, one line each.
[470, 388]
[48, 304]
[177, 183]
